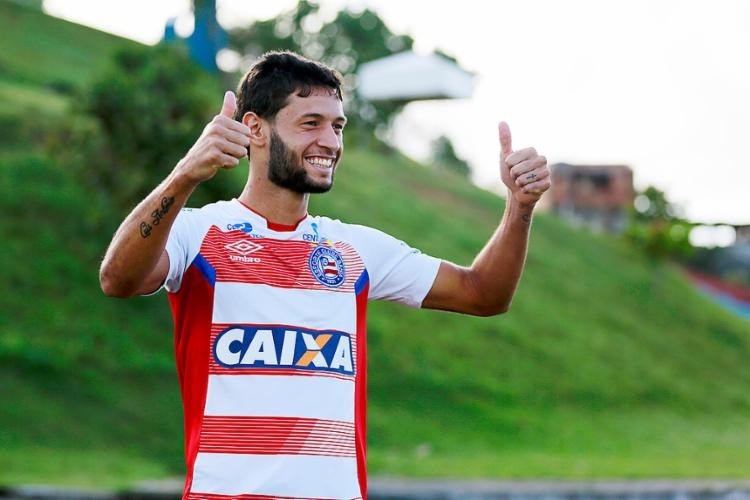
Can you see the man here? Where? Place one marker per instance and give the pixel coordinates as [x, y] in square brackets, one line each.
[269, 302]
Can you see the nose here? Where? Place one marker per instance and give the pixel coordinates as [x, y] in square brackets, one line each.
[329, 139]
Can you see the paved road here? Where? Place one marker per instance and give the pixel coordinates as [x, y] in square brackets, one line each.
[395, 489]
[392, 489]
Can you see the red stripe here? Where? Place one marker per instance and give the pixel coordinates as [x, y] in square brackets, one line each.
[283, 263]
[192, 311]
[277, 436]
[738, 292]
[360, 390]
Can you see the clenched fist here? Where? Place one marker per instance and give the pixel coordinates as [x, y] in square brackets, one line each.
[524, 172]
[222, 144]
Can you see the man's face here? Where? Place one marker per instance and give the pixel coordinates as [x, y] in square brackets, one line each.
[306, 142]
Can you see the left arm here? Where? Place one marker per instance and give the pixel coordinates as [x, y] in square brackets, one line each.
[487, 287]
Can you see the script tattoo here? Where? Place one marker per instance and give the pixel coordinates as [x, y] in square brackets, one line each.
[145, 229]
[526, 218]
[157, 215]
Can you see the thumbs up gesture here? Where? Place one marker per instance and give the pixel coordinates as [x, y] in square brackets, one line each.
[524, 172]
[222, 144]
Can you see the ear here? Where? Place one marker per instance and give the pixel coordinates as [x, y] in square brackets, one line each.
[258, 129]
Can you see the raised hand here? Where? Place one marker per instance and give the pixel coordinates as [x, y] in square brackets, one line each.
[222, 144]
[524, 172]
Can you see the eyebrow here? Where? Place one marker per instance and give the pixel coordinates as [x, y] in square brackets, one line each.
[319, 116]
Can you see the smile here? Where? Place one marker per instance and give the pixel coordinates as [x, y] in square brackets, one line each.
[320, 161]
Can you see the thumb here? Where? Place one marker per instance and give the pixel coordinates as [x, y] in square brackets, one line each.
[506, 147]
[230, 104]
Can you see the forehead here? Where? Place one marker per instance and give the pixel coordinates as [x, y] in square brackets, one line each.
[321, 101]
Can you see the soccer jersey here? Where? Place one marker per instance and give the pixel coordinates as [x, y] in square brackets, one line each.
[270, 344]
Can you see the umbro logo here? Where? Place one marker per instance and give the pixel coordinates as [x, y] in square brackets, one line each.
[243, 248]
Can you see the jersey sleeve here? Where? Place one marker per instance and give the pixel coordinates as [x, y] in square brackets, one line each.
[183, 245]
[398, 272]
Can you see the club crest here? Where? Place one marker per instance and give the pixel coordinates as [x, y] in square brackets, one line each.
[327, 265]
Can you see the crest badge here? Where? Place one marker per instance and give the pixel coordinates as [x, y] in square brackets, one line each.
[327, 265]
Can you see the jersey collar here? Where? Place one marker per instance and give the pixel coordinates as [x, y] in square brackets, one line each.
[274, 226]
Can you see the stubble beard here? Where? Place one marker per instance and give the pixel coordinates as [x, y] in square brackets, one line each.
[286, 170]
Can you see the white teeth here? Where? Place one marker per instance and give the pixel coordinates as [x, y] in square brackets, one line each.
[321, 162]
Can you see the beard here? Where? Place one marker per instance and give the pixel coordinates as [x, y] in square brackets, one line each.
[285, 169]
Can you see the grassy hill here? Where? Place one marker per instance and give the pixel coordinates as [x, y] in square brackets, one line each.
[48, 52]
[607, 365]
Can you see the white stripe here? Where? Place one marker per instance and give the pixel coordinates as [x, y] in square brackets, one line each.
[276, 475]
[242, 303]
[281, 396]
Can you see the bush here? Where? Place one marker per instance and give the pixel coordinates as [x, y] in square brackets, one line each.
[131, 126]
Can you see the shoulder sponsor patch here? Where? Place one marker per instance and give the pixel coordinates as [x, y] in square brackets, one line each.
[245, 227]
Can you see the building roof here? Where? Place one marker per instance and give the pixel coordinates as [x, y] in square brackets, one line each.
[408, 76]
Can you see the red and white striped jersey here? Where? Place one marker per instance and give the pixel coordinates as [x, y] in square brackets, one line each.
[270, 342]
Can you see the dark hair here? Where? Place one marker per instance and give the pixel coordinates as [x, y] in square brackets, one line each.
[267, 85]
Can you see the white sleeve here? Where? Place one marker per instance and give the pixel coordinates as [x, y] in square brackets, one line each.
[397, 272]
[183, 245]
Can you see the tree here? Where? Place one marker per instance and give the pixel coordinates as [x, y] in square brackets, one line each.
[444, 156]
[131, 126]
[344, 43]
[656, 225]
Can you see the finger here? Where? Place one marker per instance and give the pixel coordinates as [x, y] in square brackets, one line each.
[229, 105]
[233, 149]
[238, 127]
[532, 177]
[221, 124]
[518, 156]
[537, 187]
[527, 166]
[228, 161]
[236, 138]
[506, 146]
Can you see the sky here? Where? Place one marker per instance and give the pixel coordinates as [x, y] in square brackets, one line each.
[662, 86]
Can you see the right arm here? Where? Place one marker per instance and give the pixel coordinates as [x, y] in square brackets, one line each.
[136, 261]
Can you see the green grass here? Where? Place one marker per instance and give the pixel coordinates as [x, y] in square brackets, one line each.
[608, 364]
[45, 51]
[105, 468]
[574, 444]
[639, 378]
[19, 99]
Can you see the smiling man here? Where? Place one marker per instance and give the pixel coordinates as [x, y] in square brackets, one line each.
[269, 302]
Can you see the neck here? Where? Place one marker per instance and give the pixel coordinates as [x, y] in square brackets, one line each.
[278, 205]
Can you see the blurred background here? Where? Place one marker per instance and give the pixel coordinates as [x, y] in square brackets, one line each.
[625, 352]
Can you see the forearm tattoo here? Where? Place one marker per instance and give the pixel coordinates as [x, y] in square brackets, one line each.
[145, 229]
[156, 216]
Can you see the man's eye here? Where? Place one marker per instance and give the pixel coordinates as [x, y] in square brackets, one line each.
[311, 123]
